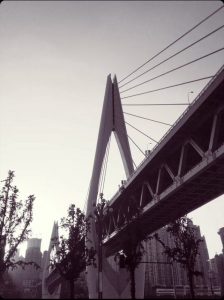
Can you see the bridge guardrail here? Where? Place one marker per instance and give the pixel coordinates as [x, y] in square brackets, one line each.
[180, 117]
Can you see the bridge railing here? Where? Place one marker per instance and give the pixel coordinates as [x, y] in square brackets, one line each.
[180, 117]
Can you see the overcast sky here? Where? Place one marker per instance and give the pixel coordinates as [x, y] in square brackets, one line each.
[54, 60]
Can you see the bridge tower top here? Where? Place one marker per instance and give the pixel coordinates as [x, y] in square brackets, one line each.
[112, 120]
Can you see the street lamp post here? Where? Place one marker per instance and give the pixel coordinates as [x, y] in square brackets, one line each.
[188, 98]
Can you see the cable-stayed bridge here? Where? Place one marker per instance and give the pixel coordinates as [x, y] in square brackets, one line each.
[182, 172]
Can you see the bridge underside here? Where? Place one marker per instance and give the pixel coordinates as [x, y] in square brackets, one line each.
[184, 172]
[206, 185]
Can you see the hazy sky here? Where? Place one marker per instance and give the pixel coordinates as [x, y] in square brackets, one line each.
[54, 60]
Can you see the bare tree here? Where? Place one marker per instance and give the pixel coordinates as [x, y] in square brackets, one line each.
[185, 249]
[15, 219]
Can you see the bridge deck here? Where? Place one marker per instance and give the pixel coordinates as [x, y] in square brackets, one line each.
[190, 188]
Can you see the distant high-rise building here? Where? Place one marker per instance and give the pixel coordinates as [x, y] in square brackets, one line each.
[33, 243]
[216, 270]
[33, 254]
[161, 274]
[213, 274]
[219, 258]
[202, 262]
[214, 277]
[32, 274]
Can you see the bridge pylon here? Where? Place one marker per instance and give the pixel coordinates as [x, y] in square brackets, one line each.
[51, 288]
[115, 282]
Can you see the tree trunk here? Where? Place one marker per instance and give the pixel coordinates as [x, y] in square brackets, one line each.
[191, 284]
[71, 289]
[132, 274]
